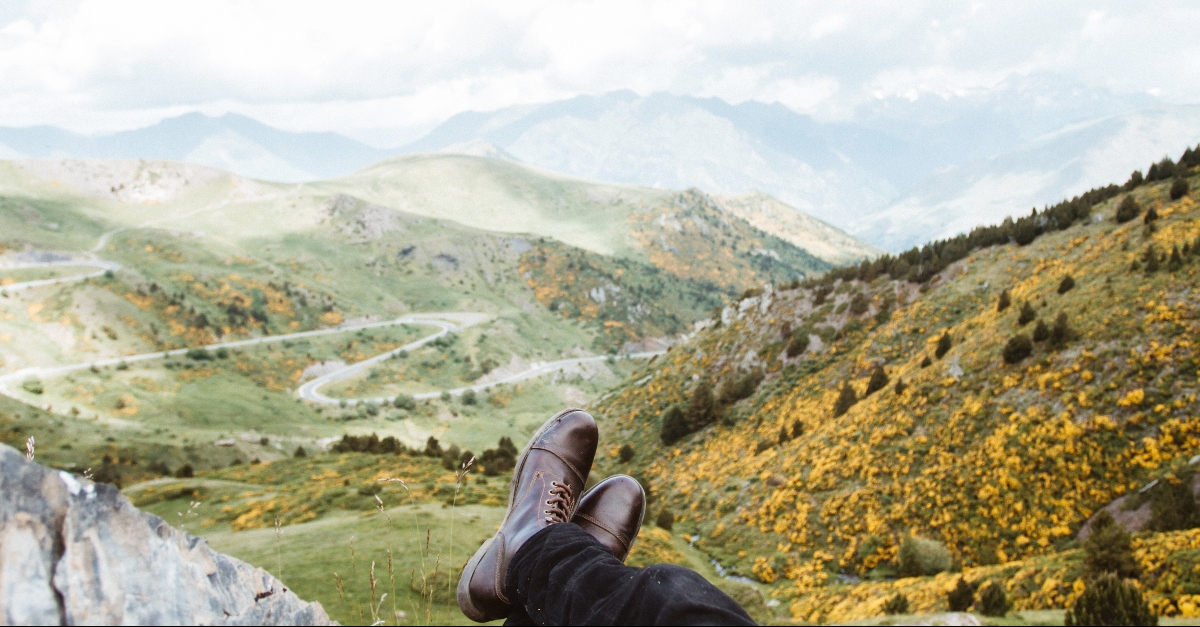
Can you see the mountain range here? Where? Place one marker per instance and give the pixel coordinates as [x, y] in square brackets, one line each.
[901, 173]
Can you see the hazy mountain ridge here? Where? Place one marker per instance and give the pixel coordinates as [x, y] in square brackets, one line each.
[233, 142]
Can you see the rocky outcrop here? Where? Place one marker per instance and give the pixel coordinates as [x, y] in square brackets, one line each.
[75, 552]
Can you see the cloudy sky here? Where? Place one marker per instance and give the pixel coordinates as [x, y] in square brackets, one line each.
[385, 71]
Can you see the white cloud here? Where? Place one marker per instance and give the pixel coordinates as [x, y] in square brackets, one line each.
[365, 65]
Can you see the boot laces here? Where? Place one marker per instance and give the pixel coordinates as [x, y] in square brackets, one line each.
[561, 503]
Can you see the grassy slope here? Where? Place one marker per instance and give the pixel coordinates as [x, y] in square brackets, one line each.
[997, 461]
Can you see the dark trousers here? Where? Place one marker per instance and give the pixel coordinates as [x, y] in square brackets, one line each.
[563, 576]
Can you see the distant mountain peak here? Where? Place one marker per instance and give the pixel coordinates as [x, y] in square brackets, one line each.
[479, 148]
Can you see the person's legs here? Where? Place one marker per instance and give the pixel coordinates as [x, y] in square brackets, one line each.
[564, 576]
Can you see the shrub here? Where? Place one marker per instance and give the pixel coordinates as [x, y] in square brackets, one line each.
[1179, 188]
[198, 354]
[33, 386]
[900, 386]
[783, 435]
[701, 410]
[626, 453]
[674, 425]
[919, 557]
[1017, 348]
[1110, 601]
[1066, 284]
[159, 467]
[1109, 549]
[878, 381]
[468, 397]
[185, 471]
[961, 597]
[1060, 333]
[300, 452]
[797, 428]
[845, 400]
[859, 304]
[943, 345]
[1172, 505]
[736, 389]
[405, 401]
[451, 456]
[1041, 332]
[1135, 179]
[1027, 314]
[665, 519]
[433, 448]
[993, 600]
[896, 604]
[799, 342]
[925, 362]
[1128, 210]
[222, 353]
[503, 458]
[1004, 301]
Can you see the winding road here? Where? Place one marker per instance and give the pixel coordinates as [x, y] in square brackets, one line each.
[447, 322]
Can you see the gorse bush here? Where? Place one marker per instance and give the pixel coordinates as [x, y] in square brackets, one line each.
[1109, 549]
[919, 557]
[741, 387]
[405, 401]
[798, 343]
[665, 520]
[1110, 601]
[626, 453]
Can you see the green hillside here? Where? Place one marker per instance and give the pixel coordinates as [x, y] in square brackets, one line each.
[209, 438]
[802, 437]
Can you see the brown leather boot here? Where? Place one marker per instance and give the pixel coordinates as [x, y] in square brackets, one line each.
[550, 475]
[612, 513]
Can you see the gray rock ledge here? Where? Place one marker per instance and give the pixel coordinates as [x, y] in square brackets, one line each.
[73, 552]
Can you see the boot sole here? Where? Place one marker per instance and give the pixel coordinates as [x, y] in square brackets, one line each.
[463, 593]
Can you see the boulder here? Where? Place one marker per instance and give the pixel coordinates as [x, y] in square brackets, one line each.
[75, 552]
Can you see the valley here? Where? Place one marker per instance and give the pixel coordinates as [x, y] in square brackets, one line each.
[167, 327]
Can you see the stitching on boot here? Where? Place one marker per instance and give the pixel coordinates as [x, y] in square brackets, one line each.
[616, 534]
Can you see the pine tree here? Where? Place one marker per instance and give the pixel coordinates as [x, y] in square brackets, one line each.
[701, 410]
[961, 597]
[1060, 333]
[1135, 179]
[846, 399]
[943, 345]
[1041, 332]
[925, 362]
[1004, 301]
[878, 381]
[1175, 262]
[1150, 259]
[1151, 216]
[993, 599]
[1128, 210]
[797, 428]
[1109, 549]
[1067, 284]
[900, 386]
[1027, 314]
[1110, 601]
